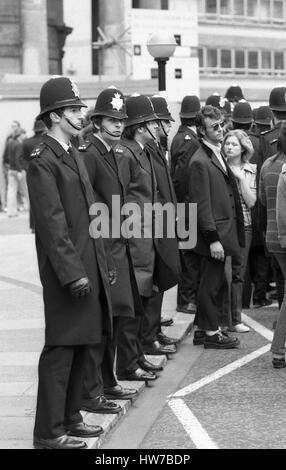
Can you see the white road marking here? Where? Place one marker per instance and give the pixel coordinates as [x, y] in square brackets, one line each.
[221, 372]
[19, 358]
[183, 413]
[22, 324]
[191, 425]
[265, 332]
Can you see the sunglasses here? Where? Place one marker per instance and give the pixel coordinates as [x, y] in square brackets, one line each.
[218, 125]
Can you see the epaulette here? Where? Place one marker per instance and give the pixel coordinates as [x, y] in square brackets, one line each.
[188, 137]
[283, 170]
[84, 146]
[37, 151]
[118, 150]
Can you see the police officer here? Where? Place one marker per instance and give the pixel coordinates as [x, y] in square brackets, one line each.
[263, 119]
[184, 145]
[73, 270]
[107, 120]
[151, 328]
[277, 104]
[234, 95]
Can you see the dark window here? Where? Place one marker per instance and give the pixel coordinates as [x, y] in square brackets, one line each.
[178, 73]
[201, 56]
[252, 10]
[154, 73]
[137, 49]
[238, 7]
[252, 59]
[225, 7]
[239, 59]
[151, 4]
[278, 10]
[225, 59]
[211, 6]
[178, 39]
[211, 58]
[278, 61]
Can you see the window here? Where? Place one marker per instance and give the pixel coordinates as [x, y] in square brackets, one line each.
[154, 73]
[151, 4]
[252, 59]
[211, 58]
[252, 8]
[239, 59]
[178, 73]
[211, 6]
[201, 56]
[225, 59]
[265, 11]
[178, 39]
[238, 7]
[225, 7]
[278, 61]
[266, 59]
[278, 13]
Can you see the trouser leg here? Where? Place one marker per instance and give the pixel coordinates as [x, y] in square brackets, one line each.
[150, 325]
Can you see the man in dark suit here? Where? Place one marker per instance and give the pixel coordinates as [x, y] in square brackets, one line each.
[220, 224]
[73, 270]
[108, 122]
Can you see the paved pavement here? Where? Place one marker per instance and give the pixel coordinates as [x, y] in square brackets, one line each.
[22, 337]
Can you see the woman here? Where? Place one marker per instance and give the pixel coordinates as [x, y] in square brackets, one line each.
[238, 150]
[272, 195]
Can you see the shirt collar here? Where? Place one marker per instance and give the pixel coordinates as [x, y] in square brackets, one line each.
[108, 148]
[63, 144]
[216, 149]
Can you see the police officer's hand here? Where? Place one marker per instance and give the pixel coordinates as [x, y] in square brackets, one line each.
[80, 288]
[112, 276]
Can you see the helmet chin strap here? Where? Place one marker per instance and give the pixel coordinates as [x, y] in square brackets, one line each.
[78, 128]
[153, 136]
[108, 132]
[163, 129]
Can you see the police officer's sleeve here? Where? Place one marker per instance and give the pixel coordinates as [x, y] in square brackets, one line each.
[50, 222]
[280, 209]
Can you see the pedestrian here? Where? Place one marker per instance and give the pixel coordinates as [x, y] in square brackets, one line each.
[269, 177]
[279, 337]
[220, 230]
[73, 270]
[238, 150]
[184, 145]
[107, 121]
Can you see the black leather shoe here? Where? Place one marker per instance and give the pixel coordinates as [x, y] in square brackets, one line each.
[187, 308]
[166, 340]
[278, 362]
[101, 405]
[199, 337]
[138, 374]
[120, 393]
[167, 322]
[158, 349]
[62, 442]
[146, 365]
[220, 341]
[83, 430]
[258, 303]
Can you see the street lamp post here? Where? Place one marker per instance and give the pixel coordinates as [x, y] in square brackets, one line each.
[161, 46]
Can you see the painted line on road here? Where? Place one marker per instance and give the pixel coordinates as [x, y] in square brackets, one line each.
[221, 372]
[22, 324]
[262, 330]
[192, 426]
[25, 285]
[14, 389]
[19, 358]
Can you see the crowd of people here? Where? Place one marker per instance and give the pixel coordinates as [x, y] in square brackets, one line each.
[103, 295]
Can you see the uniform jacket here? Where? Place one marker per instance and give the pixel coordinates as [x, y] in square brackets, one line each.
[280, 208]
[219, 210]
[29, 145]
[103, 173]
[271, 138]
[138, 176]
[166, 246]
[60, 195]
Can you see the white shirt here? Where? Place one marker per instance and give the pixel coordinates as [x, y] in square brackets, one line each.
[216, 150]
[63, 144]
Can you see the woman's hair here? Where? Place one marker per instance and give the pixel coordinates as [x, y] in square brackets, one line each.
[247, 149]
[281, 141]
